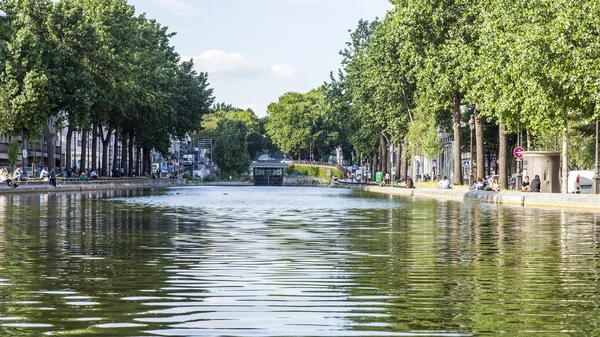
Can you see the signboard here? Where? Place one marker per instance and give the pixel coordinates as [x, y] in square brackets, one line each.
[24, 153]
[518, 152]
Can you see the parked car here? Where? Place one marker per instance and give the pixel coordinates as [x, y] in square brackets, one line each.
[580, 181]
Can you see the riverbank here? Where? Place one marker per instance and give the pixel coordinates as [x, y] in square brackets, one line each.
[580, 201]
[76, 185]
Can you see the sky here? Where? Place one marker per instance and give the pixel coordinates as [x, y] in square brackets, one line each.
[256, 50]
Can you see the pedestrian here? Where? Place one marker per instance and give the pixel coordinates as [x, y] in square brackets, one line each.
[409, 183]
[536, 184]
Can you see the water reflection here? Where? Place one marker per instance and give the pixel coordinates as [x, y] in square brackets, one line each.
[291, 262]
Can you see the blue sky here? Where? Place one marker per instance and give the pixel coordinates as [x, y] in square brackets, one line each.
[256, 50]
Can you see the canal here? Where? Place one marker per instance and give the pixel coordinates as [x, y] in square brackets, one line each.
[264, 261]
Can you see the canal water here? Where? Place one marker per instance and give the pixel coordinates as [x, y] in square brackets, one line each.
[248, 261]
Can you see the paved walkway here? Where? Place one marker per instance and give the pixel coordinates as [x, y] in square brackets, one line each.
[78, 185]
[581, 201]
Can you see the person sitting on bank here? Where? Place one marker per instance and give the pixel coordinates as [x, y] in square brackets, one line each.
[526, 185]
[495, 185]
[4, 178]
[536, 184]
[409, 183]
[44, 173]
[18, 175]
[479, 185]
[52, 178]
[83, 176]
[445, 184]
[93, 175]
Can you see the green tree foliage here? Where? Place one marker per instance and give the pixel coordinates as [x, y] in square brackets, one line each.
[231, 147]
[95, 64]
[299, 122]
[256, 135]
[14, 150]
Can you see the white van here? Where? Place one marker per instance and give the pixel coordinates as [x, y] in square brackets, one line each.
[580, 181]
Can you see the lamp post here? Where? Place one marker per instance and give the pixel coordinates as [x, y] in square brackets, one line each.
[471, 126]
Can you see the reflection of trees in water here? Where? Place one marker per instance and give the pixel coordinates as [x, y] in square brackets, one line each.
[53, 246]
[471, 267]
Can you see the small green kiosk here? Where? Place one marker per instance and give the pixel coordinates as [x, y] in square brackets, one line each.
[268, 173]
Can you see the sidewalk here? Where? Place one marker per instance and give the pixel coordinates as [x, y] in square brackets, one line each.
[580, 201]
[77, 185]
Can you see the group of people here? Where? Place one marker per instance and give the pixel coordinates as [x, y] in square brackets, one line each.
[484, 185]
[14, 182]
[84, 176]
[534, 186]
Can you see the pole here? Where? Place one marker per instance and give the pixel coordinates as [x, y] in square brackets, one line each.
[597, 166]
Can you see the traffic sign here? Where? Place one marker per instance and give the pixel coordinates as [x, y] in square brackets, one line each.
[466, 163]
[328, 172]
[518, 152]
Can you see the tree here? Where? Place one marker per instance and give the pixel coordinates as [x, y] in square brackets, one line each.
[14, 150]
[230, 151]
[292, 121]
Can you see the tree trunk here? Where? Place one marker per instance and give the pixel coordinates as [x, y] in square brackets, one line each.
[116, 164]
[105, 143]
[131, 157]
[373, 166]
[404, 159]
[68, 161]
[458, 176]
[565, 160]
[94, 146]
[124, 152]
[414, 172]
[528, 141]
[146, 165]
[84, 138]
[502, 157]
[398, 160]
[480, 168]
[138, 161]
[382, 155]
[49, 138]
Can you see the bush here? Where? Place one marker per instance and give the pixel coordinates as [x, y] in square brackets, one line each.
[210, 178]
[315, 171]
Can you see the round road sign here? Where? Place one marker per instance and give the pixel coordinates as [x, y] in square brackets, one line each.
[518, 152]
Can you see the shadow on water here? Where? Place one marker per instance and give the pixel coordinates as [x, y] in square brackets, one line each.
[291, 262]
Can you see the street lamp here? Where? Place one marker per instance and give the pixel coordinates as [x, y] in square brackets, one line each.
[471, 126]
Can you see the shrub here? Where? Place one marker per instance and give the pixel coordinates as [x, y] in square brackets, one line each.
[315, 171]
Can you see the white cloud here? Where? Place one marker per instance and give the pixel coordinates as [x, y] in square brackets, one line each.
[284, 70]
[234, 64]
[179, 7]
[259, 109]
[226, 63]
